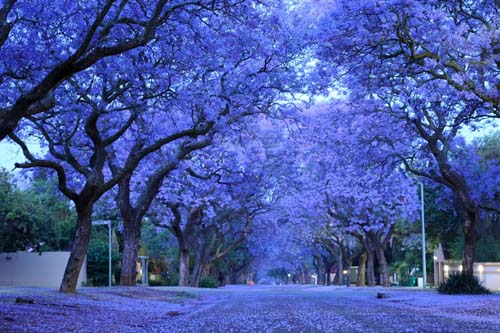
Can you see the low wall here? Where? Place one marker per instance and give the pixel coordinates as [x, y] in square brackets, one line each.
[488, 272]
[35, 270]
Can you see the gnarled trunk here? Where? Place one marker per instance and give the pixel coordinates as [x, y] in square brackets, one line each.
[78, 250]
[318, 265]
[337, 279]
[370, 268]
[383, 268]
[131, 235]
[361, 281]
[183, 267]
[468, 213]
[328, 268]
[470, 242]
[197, 271]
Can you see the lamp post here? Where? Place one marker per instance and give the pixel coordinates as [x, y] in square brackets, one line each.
[346, 278]
[108, 222]
[424, 268]
[289, 278]
[435, 271]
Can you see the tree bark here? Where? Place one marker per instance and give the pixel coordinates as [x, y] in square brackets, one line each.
[383, 268]
[199, 265]
[78, 250]
[468, 212]
[318, 265]
[183, 267]
[327, 267]
[361, 281]
[370, 268]
[470, 242]
[131, 235]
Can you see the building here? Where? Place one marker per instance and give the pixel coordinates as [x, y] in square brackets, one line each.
[488, 272]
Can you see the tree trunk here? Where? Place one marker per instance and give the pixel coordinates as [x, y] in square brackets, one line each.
[78, 250]
[131, 235]
[383, 268]
[468, 213]
[337, 278]
[183, 267]
[197, 271]
[470, 242]
[318, 265]
[370, 268]
[328, 267]
[361, 281]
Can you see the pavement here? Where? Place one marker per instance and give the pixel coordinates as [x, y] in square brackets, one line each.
[290, 308]
[335, 309]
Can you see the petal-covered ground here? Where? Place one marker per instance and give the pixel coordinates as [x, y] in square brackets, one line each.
[246, 309]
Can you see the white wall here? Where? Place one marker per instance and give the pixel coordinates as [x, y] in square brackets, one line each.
[490, 275]
[35, 270]
[488, 272]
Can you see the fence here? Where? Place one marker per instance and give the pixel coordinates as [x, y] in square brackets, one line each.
[36, 270]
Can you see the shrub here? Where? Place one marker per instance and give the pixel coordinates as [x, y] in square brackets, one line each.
[208, 282]
[462, 284]
[157, 283]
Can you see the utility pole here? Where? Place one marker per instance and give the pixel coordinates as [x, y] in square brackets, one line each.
[424, 265]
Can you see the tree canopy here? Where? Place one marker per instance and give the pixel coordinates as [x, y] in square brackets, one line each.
[279, 134]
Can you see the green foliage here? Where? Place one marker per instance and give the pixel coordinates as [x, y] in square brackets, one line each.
[279, 274]
[487, 249]
[458, 283]
[488, 146]
[235, 260]
[157, 283]
[37, 217]
[171, 277]
[98, 259]
[208, 282]
[156, 243]
[153, 241]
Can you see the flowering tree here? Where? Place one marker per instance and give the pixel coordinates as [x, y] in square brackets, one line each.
[430, 66]
[236, 76]
[214, 199]
[72, 38]
[113, 115]
[348, 162]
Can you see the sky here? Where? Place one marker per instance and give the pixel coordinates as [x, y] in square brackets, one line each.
[10, 153]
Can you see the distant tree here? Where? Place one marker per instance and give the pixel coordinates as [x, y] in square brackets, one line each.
[424, 64]
[202, 71]
[35, 218]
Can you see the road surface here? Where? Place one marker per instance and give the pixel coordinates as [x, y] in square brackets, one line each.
[329, 309]
[245, 309]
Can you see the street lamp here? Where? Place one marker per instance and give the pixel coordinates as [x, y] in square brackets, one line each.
[108, 222]
[289, 278]
[435, 271]
[424, 268]
[346, 280]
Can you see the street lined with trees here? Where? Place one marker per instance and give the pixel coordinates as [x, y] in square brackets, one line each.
[252, 141]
